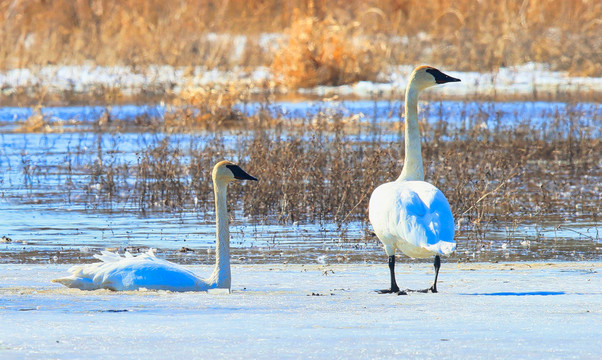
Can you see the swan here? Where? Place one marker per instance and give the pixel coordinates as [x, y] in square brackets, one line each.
[409, 214]
[116, 272]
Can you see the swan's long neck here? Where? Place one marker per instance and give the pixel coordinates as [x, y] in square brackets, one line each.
[412, 166]
[221, 275]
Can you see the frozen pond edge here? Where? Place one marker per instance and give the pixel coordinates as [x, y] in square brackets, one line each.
[483, 310]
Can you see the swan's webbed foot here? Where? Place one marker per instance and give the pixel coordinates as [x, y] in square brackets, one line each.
[432, 289]
[394, 290]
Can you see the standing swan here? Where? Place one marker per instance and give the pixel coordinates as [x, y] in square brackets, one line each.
[410, 214]
[149, 272]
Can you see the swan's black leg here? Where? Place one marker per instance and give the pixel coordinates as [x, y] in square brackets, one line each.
[437, 265]
[394, 288]
[433, 289]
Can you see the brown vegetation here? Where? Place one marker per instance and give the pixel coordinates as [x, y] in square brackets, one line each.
[314, 170]
[323, 52]
[344, 40]
[206, 109]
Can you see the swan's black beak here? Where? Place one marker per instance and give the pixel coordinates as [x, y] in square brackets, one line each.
[240, 174]
[441, 78]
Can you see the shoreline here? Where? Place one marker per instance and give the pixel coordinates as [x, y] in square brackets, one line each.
[96, 85]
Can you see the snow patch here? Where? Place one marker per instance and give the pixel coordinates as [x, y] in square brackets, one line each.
[526, 79]
[501, 311]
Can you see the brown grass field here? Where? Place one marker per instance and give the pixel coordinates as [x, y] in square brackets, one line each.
[326, 41]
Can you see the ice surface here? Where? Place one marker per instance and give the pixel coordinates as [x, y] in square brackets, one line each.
[488, 311]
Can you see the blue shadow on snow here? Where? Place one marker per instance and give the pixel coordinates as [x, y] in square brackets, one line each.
[526, 293]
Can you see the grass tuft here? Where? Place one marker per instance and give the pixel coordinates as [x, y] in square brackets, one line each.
[323, 52]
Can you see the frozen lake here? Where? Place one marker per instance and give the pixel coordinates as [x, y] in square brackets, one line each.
[300, 289]
[53, 213]
[527, 286]
[530, 310]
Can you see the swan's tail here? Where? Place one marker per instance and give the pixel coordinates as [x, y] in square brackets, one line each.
[82, 276]
[443, 248]
[76, 282]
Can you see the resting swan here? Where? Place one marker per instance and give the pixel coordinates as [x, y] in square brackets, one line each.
[115, 272]
[410, 214]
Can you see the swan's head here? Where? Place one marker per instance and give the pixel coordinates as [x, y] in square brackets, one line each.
[426, 76]
[226, 172]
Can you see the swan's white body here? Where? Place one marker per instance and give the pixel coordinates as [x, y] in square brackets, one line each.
[132, 273]
[409, 214]
[146, 271]
[413, 217]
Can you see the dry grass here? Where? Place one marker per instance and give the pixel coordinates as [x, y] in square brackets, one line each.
[206, 109]
[37, 122]
[322, 52]
[333, 41]
[503, 183]
[312, 171]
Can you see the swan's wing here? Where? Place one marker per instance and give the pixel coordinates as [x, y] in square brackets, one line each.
[149, 272]
[131, 273]
[424, 217]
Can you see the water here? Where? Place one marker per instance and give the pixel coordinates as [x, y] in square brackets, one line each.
[491, 114]
[48, 211]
